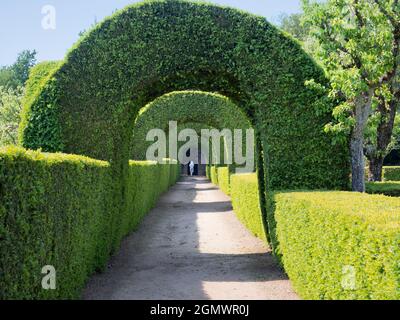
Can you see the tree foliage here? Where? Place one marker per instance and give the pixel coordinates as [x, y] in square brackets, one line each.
[293, 25]
[17, 74]
[358, 44]
[10, 109]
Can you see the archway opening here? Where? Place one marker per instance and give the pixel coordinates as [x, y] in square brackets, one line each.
[206, 128]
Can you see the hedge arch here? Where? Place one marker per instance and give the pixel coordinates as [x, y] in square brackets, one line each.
[197, 127]
[89, 104]
[185, 107]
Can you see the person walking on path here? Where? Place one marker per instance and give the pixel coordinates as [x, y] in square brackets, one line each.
[191, 168]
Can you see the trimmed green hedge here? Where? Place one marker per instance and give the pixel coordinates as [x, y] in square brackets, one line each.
[146, 181]
[175, 172]
[89, 105]
[320, 238]
[224, 179]
[39, 75]
[58, 210]
[208, 172]
[388, 188]
[214, 175]
[391, 173]
[326, 239]
[246, 203]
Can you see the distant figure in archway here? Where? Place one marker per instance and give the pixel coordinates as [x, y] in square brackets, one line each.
[191, 168]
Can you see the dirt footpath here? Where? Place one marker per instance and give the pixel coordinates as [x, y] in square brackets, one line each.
[191, 246]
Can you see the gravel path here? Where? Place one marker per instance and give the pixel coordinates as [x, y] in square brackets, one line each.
[191, 246]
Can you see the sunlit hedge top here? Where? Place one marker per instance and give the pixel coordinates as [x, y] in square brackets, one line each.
[88, 106]
[38, 76]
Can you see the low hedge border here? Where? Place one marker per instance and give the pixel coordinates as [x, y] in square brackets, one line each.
[387, 188]
[246, 203]
[224, 179]
[327, 239]
[245, 194]
[391, 173]
[214, 175]
[56, 209]
[324, 240]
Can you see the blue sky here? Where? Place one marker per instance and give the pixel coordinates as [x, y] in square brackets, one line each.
[21, 22]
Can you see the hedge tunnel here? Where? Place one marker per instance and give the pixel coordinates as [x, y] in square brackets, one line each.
[198, 127]
[89, 103]
[203, 110]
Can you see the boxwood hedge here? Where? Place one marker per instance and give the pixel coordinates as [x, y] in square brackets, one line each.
[333, 245]
[57, 210]
[391, 173]
[340, 245]
[39, 75]
[89, 104]
[224, 179]
[388, 188]
[246, 203]
[214, 175]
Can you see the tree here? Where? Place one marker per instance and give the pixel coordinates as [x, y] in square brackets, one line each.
[382, 133]
[6, 76]
[17, 74]
[25, 61]
[358, 44]
[292, 24]
[10, 109]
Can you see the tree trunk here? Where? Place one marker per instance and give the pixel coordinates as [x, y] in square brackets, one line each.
[361, 113]
[357, 161]
[384, 137]
[375, 168]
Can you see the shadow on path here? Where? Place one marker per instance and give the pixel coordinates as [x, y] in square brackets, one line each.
[191, 246]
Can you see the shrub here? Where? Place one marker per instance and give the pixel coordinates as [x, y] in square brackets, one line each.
[214, 175]
[391, 173]
[388, 188]
[224, 179]
[58, 210]
[327, 237]
[246, 203]
[175, 172]
[146, 181]
[208, 171]
[38, 77]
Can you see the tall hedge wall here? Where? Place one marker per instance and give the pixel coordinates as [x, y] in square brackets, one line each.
[57, 210]
[340, 245]
[39, 75]
[88, 106]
